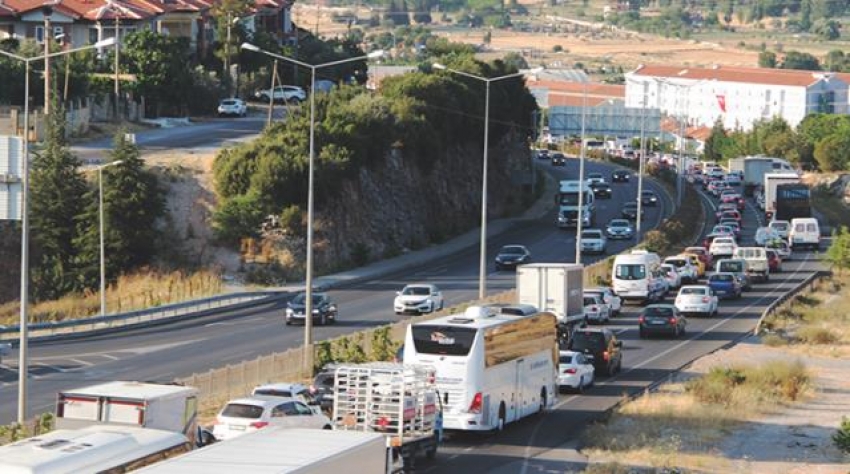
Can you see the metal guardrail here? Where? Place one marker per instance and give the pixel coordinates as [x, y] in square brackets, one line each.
[780, 302]
[144, 317]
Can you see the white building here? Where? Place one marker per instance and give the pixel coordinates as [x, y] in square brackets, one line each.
[739, 96]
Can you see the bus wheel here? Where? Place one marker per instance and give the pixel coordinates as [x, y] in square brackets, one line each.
[500, 426]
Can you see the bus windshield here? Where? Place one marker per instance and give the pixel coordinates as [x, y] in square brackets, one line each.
[443, 340]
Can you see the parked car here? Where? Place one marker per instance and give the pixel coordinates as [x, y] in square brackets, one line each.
[418, 298]
[245, 415]
[621, 176]
[603, 191]
[630, 210]
[232, 107]
[558, 159]
[671, 274]
[648, 198]
[593, 241]
[661, 318]
[722, 246]
[620, 229]
[510, 256]
[575, 371]
[697, 299]
[595, 311]
[324, 309]
[725, 285]
[282, 94]
[602, 345]
[606, 294]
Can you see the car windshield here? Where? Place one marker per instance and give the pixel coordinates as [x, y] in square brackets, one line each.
[692, 291]
[416, 290]
[512, 251]
[301, 298]
[619, 223]
[594, 176]
[658, 311]
[242, 410]
[584, 340]
[591, 234]
[228, 102]
[721, 278]
[630, 271]
[648, 194]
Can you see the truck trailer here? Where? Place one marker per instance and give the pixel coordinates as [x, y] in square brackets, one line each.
[755, 167]
[771, 184]
[554, 287]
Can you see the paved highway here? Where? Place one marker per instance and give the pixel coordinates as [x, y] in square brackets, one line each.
[543, 443]
[163, 353]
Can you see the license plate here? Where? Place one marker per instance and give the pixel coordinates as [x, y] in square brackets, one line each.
[692, 308]
[657, 322]
[237, 427]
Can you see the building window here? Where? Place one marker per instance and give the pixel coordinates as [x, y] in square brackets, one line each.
[39, 34]
[93, 35]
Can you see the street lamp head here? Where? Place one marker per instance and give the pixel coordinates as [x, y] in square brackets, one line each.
[375, 54]
[439, 66]
[250, 47]
[105, 43]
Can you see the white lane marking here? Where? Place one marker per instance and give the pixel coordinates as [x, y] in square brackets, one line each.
[51, 367]
[109, 356]
[83, 363]
[234, 323]
[528, 447]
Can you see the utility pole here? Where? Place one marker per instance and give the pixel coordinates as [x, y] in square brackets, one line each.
[116, 12]
[227, 54]
[47, 11]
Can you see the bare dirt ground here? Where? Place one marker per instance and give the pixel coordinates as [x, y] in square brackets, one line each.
[794, 438]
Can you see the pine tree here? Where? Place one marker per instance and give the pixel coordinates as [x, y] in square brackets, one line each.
[55, 199]
[132, 202]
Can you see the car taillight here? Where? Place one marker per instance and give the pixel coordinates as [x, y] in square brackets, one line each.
[475, 406]
[672, 320]
[705, 299]
[641, 319]
[383, 422]
[605, 356]
[570, 371]
[259, 424]
[594, 308]
[313, 389]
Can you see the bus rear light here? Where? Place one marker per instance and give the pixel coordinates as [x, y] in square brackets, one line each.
[477, 401]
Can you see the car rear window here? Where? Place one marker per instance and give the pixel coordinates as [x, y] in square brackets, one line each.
[584, 340]
[565, 359]
[734, 267]
[241, 410]
[693, 291]
[721, 278]
[443, 340]
[273, 392]
[658, 311]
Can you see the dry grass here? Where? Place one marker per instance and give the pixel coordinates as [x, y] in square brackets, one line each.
[130, 292]
[679, 425]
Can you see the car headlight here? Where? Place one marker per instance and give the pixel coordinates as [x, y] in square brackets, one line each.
[289, 311]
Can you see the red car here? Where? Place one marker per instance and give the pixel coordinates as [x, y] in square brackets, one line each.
[774, 261]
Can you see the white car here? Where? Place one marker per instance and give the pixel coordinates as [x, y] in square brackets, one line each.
[593, 241]
[687, 271]
[245, 415]
[282, 94]
[620, 229]
[765, 235]
[418, 298]
[606, 294]
[671, 274]
[236, 107]
[733, 179]
[285, 390]
[782, 228]
[697, 299]
[575, 370]
[781, 247]
[722, 246]
[594, 179]
[595, 311]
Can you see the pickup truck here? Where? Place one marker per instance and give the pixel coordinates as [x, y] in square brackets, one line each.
[758, 266]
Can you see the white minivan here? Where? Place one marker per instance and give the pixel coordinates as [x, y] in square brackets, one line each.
[804, 232]
[637, 277]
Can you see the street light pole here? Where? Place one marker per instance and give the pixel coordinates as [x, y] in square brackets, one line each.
[23, 330]
[102, 246]
[482, 264]
[47, 11]
[641, 164]
[580, 214]
[308, 290]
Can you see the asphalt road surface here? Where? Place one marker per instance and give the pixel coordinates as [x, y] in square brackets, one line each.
[175, 350]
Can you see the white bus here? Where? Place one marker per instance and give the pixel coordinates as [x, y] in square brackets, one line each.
[491, 368]
[91, 450]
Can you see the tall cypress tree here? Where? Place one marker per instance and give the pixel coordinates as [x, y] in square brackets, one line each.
[132, 202]
[56, 190]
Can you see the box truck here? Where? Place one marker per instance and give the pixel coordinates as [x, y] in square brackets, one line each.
[554, 287]
[284, 451]
[148, 405]
[772, 181]
[755, 167]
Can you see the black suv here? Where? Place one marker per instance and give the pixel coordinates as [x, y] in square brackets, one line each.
[602, 345]
[621, 176]
[558, 159]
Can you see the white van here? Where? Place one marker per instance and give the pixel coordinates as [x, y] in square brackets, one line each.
[804, 232]
[637, 276]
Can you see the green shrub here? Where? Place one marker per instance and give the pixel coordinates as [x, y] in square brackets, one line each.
[816, 335]
[716, 386]
[841, 438]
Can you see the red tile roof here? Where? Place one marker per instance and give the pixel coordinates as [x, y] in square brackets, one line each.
[784, 77]
[6, 11]
[556, 99]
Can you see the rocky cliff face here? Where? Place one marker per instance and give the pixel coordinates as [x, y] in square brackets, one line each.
[397, 207]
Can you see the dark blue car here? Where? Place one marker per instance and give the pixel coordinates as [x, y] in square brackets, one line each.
[725, 285]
